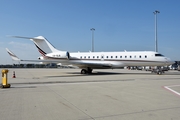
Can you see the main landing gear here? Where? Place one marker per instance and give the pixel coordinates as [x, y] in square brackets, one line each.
[86, 71]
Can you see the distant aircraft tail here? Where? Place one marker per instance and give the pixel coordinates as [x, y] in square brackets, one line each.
[43, 45]
[13, 56]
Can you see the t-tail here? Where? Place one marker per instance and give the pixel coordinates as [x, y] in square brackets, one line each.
[43, 45]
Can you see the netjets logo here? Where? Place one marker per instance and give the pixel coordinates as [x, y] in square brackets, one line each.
[41, 51]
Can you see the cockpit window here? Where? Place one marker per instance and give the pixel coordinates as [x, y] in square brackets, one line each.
[160, 55]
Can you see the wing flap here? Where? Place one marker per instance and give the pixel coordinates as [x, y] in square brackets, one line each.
[92, 64]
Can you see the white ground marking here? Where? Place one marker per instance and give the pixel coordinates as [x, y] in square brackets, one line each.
[169, 88]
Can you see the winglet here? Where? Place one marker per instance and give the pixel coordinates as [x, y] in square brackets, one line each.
[13, 56]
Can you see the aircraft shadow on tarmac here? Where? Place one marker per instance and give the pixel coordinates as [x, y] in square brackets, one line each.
[77, 74]
[23, 86]
[31, 84]
[73, 74]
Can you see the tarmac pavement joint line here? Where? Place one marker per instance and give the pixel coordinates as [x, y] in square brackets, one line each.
[173, 91]
[70, 103]
[137, 112]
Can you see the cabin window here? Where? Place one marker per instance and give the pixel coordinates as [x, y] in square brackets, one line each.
[134, 56]
[102, 57]
[88, 56]
[111, 56]
[93, 57]
[116, 57]
[106, 56]
[120, 56]
[125, 56]
[81, 57]
[145, 56]
[130, 56]
[140, 56]
[97, 56]
[85, 57]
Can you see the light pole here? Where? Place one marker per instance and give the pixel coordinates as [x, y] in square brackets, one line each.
[92, 29]
[156, 43]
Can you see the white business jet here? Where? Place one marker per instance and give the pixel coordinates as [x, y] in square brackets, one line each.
[88, 61]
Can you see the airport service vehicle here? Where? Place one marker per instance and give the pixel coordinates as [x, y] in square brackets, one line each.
[88, 61]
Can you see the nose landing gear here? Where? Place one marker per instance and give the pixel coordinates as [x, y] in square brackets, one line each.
[158, 71]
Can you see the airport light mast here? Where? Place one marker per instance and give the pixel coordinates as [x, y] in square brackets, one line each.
[156, 43]
[92, 29]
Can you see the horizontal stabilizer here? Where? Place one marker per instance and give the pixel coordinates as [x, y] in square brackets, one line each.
[33, 38]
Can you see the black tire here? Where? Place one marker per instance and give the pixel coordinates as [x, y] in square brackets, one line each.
[83, 71]
[159, 72]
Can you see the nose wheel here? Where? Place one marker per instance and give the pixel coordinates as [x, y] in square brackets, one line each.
[158, 71]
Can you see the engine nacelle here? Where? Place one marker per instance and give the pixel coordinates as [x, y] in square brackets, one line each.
[63, 54]
[60, 54]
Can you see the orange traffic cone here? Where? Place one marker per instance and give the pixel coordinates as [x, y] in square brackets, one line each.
[14, 76]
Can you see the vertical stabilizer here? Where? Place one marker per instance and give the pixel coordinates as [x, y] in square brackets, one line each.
[42, 44]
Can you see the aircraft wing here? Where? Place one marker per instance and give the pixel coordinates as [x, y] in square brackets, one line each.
[91, 64]
[13, 56]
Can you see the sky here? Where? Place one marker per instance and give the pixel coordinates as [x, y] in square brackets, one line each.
[119, 25]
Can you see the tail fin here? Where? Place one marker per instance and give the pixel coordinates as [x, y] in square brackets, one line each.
[13, 56]
[42, 44]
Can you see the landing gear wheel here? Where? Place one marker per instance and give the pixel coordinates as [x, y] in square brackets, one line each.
[89, 70]
[86, 71]
[83, 71]
[159, 72]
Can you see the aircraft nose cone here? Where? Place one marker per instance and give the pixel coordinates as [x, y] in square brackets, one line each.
[169, 61]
